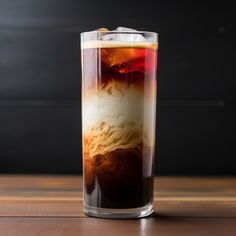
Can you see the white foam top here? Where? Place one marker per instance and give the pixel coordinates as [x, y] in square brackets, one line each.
[117, 44]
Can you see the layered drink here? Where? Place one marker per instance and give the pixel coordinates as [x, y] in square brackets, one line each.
[118, 120]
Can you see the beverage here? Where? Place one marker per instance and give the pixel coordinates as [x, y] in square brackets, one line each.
[119, 97]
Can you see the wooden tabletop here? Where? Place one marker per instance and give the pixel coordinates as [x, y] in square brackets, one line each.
[52, 205]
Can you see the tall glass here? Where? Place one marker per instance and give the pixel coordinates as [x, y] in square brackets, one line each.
[118, 119]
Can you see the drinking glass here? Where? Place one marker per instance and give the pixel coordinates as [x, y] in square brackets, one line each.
[119, 87]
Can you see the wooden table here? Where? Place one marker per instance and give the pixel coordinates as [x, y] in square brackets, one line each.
[52, 205]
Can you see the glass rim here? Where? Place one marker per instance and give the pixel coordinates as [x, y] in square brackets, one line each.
[120, 32]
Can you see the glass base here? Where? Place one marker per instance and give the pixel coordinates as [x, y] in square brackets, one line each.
[119, 213]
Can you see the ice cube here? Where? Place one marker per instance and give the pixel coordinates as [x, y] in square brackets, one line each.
[120, 28]
[131, 37]
[136, 37]
[124, 37]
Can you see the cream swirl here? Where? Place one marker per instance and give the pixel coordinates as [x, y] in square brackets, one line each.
[113, 119]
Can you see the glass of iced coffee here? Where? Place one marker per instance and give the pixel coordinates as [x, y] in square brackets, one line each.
[118, 122]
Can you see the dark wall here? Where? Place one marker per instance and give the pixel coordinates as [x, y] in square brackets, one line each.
[40, 81]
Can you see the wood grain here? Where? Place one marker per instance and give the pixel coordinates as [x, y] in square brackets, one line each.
[48, 205]
[92, 226]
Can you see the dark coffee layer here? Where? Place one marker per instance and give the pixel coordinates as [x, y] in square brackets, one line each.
[117, 179]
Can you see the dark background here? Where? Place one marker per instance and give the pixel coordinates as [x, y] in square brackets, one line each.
[40, 82]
